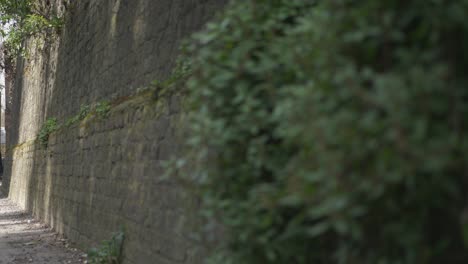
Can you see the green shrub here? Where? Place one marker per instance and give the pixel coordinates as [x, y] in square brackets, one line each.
[333, 131]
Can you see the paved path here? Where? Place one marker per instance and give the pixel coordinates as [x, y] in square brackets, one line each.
[25, 240]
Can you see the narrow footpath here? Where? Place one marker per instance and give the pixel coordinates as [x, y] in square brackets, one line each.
[25, 240]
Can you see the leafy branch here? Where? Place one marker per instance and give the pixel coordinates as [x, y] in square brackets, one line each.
[21, 19]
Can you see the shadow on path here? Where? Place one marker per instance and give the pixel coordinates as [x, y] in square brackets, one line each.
[25, 240]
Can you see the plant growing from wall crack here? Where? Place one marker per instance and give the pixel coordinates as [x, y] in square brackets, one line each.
[84, 111]
[49, 127]
[102, 109]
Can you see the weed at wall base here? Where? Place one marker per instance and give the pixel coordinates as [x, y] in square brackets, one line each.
[110, 251]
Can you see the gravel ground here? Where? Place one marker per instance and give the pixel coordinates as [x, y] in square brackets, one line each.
[25, 240]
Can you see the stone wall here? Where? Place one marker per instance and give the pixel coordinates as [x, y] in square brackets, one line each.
[104, 173]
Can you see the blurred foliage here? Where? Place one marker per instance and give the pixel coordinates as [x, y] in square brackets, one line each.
[21, 19]
[333, 131]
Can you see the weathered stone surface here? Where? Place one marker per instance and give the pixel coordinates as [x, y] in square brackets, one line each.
[103, 174]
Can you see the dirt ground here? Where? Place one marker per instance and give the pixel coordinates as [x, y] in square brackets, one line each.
[25, 240]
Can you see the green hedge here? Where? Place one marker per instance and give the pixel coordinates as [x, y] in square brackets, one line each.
[334, 131]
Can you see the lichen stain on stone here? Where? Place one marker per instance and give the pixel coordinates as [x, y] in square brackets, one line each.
[113, 20]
